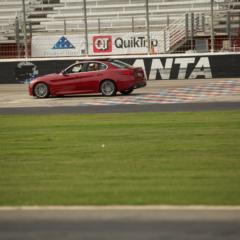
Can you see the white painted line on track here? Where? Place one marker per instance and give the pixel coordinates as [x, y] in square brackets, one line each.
[160, 207]
[123, 213]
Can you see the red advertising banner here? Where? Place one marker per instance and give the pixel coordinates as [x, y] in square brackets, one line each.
[102, 44]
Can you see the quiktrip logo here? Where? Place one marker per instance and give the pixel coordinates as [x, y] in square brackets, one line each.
[127, 43]
[102, 44]
[63, 43]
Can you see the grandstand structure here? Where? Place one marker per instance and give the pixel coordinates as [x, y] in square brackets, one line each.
[184, 20]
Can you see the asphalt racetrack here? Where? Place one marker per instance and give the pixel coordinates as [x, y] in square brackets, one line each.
[131, 223]
[125, 223]
[175, 95]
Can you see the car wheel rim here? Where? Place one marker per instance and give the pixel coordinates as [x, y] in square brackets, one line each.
[108, 88]
[41, 90]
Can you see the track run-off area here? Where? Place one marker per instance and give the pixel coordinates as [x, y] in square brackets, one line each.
[157, 94]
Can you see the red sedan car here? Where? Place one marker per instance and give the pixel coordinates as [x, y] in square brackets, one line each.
[92, 76]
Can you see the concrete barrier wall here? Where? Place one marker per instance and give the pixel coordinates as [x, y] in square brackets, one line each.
[157, 67]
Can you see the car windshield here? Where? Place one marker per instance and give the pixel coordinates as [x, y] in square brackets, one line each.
[120, 64]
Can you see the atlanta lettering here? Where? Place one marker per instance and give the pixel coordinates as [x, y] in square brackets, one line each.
[176, 68]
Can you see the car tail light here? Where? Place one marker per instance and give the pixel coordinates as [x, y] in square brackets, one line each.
[139, 73]
[126, 72]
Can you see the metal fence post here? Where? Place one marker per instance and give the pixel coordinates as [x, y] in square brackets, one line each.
[164, 41]
[65, 27]
[212, 27]
[197, 21]
[192, 29]
[24, 29]
[30, 29]
[168, 20]
[228, 25]
[203, 22]
[17, 36]
[85, 24]
[186, 26]
[99, 25]
[148, 30]
[133, 25]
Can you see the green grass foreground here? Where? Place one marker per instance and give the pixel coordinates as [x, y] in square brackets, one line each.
[119, 159]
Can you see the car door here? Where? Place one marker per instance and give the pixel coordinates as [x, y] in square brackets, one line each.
[93, 74]
[68, 80]
[82, 77]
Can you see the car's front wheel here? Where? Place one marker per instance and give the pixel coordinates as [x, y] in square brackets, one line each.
[108, 88]
[41, 90]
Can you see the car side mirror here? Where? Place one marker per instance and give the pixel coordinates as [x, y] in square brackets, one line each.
[64, 72]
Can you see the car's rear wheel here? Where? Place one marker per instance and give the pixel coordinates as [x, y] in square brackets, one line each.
[41, 90]
[108, 88]
[127, 92]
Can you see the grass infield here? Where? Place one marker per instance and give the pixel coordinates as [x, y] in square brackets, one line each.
[121, 159]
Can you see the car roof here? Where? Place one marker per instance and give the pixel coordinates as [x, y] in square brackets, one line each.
[96, 60]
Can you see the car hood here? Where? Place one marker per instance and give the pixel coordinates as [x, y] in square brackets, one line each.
[47, 77]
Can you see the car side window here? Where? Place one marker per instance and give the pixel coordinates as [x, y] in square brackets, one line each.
[76, 68]
[94, 66]
[102, 66]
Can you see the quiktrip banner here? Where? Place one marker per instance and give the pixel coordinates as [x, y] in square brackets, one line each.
[128, 43]
[99, 44]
